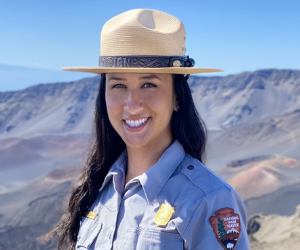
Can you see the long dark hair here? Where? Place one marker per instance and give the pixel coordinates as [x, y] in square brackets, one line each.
[187, 128]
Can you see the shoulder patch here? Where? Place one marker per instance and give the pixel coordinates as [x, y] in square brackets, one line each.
[227, 227]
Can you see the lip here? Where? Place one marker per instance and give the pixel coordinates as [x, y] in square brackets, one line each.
[136, 129]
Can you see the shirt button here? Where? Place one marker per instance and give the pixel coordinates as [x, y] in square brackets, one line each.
[190, 167]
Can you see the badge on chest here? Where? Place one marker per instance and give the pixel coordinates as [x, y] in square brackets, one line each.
[90, 214]
[163, 214]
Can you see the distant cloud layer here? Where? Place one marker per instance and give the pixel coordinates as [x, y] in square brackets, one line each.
[18, 77]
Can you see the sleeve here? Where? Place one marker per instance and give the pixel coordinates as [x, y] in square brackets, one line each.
[219, 222]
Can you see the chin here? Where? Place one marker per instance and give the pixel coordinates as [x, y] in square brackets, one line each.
[135, 141]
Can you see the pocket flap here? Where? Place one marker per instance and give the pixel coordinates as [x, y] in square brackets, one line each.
[89, 230]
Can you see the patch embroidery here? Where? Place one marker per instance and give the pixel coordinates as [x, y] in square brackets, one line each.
[226, 226]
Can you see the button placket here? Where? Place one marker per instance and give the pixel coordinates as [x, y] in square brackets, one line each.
[109, 218]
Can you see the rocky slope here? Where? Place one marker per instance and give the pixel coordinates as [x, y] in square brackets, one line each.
[247, 97]
[266, 186]
[27, 214]
[268, 232]
[269, 136]
[48, 109]
[25, 159]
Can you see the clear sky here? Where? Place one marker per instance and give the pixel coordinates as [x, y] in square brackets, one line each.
[234, 35]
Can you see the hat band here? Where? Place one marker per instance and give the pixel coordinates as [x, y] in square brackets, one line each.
[146, 61]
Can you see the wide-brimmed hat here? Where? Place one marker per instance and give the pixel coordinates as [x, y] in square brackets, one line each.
[143, 41]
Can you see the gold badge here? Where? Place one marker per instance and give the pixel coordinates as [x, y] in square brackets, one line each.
[176, 63]
[164, 214]
[91, 215]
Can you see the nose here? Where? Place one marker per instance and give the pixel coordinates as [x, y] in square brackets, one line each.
[133, 103]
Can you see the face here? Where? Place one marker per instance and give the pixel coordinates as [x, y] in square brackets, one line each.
[140, 107]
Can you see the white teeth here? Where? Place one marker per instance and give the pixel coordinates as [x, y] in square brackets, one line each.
[136, 123]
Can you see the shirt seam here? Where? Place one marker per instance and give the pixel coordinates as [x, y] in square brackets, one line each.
[206, 196]
[223, 183]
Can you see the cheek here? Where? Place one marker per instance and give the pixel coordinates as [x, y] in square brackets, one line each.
[161, 102]
[113, 106]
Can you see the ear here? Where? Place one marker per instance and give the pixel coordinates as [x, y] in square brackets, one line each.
[176, 106]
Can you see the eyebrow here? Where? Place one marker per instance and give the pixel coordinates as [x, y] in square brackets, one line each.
[116, 78]
[150, 77]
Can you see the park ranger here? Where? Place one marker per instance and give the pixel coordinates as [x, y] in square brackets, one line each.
[144, 185]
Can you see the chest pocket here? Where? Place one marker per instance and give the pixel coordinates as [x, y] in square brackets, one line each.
[151, 239]
[88, 232]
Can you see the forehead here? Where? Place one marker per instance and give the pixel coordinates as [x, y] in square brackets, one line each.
[138, 76]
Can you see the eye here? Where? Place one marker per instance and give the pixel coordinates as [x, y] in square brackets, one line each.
[149, 85]
[119, 85]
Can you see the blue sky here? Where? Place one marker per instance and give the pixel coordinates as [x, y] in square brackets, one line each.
[234, 35]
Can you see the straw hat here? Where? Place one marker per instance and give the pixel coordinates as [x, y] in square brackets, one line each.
[143, 41]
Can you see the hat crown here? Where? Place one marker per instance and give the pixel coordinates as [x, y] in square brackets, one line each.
[143, 41]
[143, 32]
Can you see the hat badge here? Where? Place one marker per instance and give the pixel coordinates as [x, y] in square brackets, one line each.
[177, 63]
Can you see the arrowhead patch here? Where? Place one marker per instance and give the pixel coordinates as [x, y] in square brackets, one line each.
[227, 227]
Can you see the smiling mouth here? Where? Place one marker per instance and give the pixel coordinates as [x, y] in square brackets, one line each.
[136, 124]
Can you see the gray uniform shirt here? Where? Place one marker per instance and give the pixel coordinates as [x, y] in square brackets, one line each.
[208, 213]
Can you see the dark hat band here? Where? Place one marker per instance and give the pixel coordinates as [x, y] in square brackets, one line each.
[146, 61]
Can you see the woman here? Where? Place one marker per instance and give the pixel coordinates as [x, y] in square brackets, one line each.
[144, 185]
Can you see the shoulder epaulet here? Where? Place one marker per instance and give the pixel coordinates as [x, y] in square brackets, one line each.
[202, 176]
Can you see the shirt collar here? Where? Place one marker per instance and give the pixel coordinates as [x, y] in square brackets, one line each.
[118, 171]
[156, 177]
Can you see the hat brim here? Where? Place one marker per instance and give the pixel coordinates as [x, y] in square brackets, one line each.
[170, 70]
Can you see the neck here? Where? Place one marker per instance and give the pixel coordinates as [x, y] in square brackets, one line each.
[142, 159]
